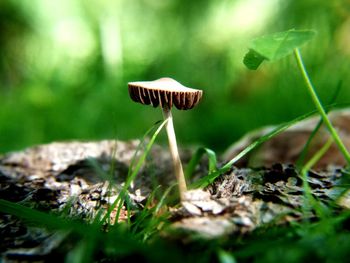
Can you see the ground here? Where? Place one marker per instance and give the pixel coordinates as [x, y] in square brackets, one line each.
[83, 179]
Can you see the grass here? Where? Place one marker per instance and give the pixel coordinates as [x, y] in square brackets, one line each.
[319, 106]
[214, 173]
[122, 239]
[138, 237]
[324, 241]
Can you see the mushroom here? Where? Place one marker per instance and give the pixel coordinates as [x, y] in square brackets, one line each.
[167, 92]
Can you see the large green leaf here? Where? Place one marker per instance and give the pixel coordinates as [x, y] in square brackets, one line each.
[275, 46]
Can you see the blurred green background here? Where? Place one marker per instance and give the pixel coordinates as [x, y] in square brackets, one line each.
[64, 66]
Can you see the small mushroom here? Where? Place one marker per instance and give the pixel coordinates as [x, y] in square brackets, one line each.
[167, 92]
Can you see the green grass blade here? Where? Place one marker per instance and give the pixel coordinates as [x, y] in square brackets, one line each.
[191, 166]
[319, 106]
[225, 257]
[320, 210]
[143, 144]
[300, 161]
[148, 220]
[161, 202]
[93, 163]
[143, 214]
[106, 176]
[266, 137]
[82, 252]
[49, 221]
[205, 181]
[133, 171]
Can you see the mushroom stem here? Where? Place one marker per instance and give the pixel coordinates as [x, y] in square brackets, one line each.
[174, 151]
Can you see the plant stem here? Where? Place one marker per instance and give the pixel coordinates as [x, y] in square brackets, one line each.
[304, 175]
[174, 152]
[319, 106]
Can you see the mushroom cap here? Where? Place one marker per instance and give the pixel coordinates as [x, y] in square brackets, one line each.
[164, 92]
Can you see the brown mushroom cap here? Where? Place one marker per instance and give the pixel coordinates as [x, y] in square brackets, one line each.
[164, 92]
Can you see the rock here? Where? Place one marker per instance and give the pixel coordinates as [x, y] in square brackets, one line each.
[245, 199]
[83, 179]
[77, 178]
[287, 146]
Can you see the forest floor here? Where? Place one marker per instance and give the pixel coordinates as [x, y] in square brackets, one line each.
[84, 179]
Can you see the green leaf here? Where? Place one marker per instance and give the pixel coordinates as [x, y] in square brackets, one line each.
[275, 46]
[252, 59]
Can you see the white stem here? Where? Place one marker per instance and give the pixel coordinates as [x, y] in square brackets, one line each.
[174, 152]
